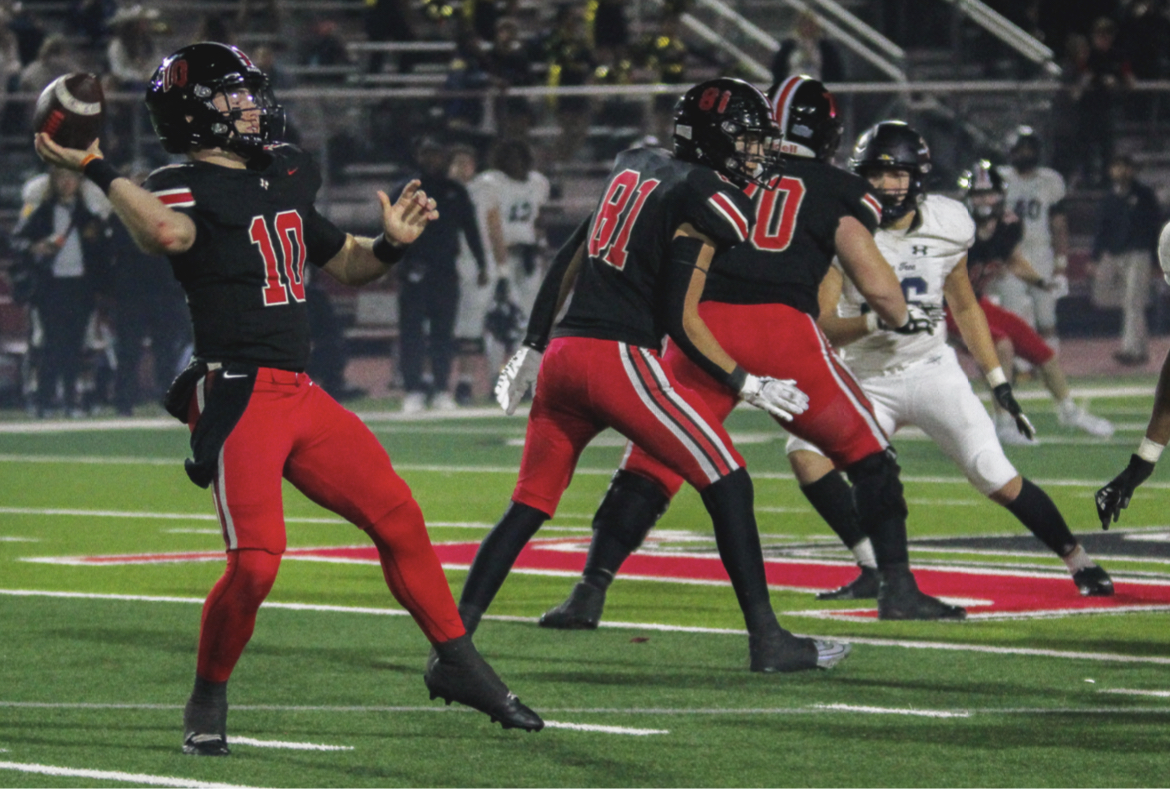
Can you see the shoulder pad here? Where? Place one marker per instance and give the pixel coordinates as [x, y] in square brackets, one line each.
[947, 219]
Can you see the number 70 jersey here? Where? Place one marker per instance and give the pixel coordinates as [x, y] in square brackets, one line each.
[922, 257]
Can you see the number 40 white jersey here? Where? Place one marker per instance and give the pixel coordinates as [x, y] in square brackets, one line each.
[922, 257]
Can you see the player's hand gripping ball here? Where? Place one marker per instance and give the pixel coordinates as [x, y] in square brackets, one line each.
[71, 110]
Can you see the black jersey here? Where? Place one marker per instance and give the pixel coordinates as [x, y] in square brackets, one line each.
[792, 243]
[650, 194]
[988, 257]
[244, 275]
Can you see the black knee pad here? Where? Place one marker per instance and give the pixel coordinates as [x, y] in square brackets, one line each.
[877, 487]
[631, 507]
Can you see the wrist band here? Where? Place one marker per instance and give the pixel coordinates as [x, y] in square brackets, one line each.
[737, 378]
[100, 172]
[995, 377]
[871, 322]
[1150, 450]
[387, 252]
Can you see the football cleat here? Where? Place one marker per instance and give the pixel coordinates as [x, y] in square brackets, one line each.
[1093, 582]
[205, 727]
[899, 599]
[1009, 435]
[457, 672]
[581, 611]
[205, 744]
[779, 651]
[1079, 418]
[863, 587]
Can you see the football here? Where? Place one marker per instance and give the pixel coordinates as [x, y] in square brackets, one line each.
[71, 110]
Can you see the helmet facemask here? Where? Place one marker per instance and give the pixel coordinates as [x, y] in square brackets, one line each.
[897, 201]
[244, 116]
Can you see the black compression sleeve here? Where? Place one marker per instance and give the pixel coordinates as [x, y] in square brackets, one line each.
[544, 311]
[676, 280]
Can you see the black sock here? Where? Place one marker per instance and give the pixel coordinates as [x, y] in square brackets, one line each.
[1036, 510]
[206, 710]
[880, 506]
[497, 553]
[730, 502]
[208, 692]
[631, 507]
[831, 497]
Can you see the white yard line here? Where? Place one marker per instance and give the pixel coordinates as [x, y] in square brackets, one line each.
[881, 642]
[892, 711]
[1163, 694]
[603, 729]
[233, 740]
[108, 775]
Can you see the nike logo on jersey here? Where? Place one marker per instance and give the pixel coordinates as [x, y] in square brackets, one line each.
[237, 375]
[293, 171]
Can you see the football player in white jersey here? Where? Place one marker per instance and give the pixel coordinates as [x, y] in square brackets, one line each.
[510, 197]
[1035, 194]
[1115, 496]
[916, 380]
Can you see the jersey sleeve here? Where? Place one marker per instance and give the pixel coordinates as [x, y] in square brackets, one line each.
[173, 187]
[716, 207]
[1057, 194]
[323, 239]
[862, 203]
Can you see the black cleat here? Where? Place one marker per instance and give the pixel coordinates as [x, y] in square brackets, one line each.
[581, 611]
[205, 727]
[457, 672]
[899, 599]
[1093, 582]
[779, 651]
[863, 587]
[205, 744]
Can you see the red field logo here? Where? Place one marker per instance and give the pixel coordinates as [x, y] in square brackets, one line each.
[987, 593]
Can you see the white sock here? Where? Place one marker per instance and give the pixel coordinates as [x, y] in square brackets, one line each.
[1078, 560]
[863, 553]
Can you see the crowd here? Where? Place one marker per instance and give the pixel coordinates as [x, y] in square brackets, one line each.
[461, 304]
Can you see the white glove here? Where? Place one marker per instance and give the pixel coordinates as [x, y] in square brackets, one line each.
[518, 374]
[919, 318]
[779, 397]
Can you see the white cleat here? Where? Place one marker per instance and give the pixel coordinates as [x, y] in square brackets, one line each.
[830, 653]
[1082, 420]
[414, 403]
[1010, 436]
[443, 401]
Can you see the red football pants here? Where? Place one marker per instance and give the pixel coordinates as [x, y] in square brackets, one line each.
[781, 342]
[293, 429]
[1005, 324]
[586, 385]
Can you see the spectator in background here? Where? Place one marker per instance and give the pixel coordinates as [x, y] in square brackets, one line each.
[1068, 147]
[148, 303]
[1143, 33]
[571, 61]
[510, 196]
[390, 20]
[323, 46]
[9, 58]
[1128, 221]
[609, 30]
[666, 54]
[1108, 72]
[509, 65]
[428, 282]
[29, 31]
[53, 59]
[213, 28]
[132, 53]
[466, 72]
[807, 51]
[64, 232]
[475, 292]
[482, 16]
[90, 18]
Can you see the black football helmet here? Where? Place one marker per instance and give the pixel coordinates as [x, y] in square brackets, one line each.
[710, 120]
[983, 191]
[806, 113]
[181, 97]
[1024, 149]
[893, 145]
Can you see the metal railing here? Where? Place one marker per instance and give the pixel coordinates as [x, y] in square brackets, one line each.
[1009, 33]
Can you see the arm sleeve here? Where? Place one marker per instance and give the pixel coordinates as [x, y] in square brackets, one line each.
[322, 238]
[544, 311]
[471, 232]
[676, 281]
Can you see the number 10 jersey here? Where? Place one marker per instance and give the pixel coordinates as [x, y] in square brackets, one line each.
[244, 275]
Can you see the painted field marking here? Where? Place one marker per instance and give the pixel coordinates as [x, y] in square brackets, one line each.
[880, 642]
[19, 539]
[1164, 694]
[603, 729]
[892, 711]
[108, 775]
[292, 746]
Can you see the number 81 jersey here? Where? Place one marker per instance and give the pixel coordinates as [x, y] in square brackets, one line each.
[922, 257]
[244, 276]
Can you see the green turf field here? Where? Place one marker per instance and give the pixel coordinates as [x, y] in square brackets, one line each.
[97, 660]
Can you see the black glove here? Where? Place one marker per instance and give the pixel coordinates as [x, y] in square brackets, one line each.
[1115, 496]
[918, 319]
[1007, 401]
